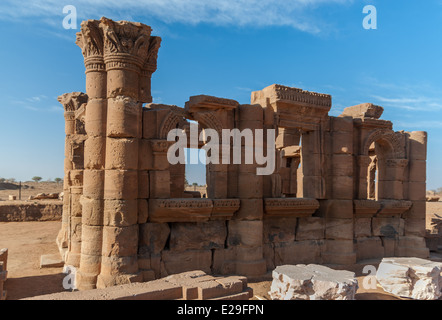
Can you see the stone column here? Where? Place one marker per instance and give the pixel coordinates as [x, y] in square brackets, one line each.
[68, 240]
[126, 50]
[90, 40]
[245, 230]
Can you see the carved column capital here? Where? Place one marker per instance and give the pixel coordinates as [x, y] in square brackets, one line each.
[125, 44]
[90, 40]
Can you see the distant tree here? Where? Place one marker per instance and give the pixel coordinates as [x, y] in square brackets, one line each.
[3, 180]
[58, 180]
[37, 178]
[11, 180]
[195, 184]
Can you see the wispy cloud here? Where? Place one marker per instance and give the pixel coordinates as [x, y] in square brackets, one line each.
[421, 125]
[299, 14]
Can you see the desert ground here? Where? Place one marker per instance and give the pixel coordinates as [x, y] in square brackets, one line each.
[27, 241]
[29, 188]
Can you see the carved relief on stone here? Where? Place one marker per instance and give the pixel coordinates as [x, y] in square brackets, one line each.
[290, 207]
[72, 101]
[389, 136]
[90, 41]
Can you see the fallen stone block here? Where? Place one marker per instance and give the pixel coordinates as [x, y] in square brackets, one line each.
[312, 282]
[51, 261]
[413, 278]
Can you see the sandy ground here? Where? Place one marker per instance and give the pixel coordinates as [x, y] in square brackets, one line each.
[27, 241]
[33, 189]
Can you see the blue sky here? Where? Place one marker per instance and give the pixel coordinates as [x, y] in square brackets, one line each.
[226, 49]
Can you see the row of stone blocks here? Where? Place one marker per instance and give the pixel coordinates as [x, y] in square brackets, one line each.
[192, 285]
[3, 272]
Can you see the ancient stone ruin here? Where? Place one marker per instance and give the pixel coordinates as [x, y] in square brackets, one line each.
[344, 189]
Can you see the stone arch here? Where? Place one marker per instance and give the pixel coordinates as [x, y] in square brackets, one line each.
[173, 118]
[209, 120]
[387, 137]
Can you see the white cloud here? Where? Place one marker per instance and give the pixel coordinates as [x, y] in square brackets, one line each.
[298, 14]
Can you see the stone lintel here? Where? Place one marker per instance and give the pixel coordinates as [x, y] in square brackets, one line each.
[197, 103]
[290, 207]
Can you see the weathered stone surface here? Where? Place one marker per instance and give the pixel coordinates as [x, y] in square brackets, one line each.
[312, 282]
[411, 278]
[198, 236]
[279, 230]
[310, 228]
[153, 236]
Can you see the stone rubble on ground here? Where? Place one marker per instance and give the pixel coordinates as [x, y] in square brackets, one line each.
[413, 278]
[312, 282]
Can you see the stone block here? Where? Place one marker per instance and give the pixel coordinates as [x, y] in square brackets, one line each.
[153, 237]
[120, 213]
[417, 171]
[122, 154]
[388, 227]
[417, 191]
[415, 227]
[245, 233]
[94, 153]
[418, 145]
[198, 236]
[339, 229]
[217, 184]
[310, 228]
[159, 184]
[123, 118]
[308, 251]
[336, 209]
[143, 184]
[417, 211]
[93, 185]
[362, 227]
[312, 282]
[91, 242]
[120, 241]
[250, 185]
[176, 262]
[411, 278]
[143, 211]
[149, 124]
[342, 143]
[342, 165]
[251, 209]
[92, 211]
[343, 187]
[249, 112]
[121, 184]
[342, 124]
[50, 261]
[279, 230]
[145, 155]
[96, 117]
[369, 248]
